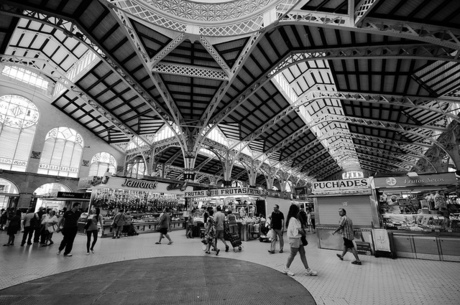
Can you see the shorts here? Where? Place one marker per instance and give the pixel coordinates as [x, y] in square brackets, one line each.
[219, 234]
[348, 243]
[163, 230]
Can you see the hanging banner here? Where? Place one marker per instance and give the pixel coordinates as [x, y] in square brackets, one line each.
[226, 192]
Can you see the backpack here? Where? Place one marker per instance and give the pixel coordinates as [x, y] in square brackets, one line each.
[34, 221]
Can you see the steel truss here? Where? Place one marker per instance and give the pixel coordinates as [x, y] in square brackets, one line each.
[362, 9]
[177, 11]
[424, 103]
[70, 29]
[442, 36]
[190, 71]
[44, 67]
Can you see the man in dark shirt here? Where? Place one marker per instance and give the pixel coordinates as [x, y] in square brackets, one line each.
[70, 219]
[277, 224]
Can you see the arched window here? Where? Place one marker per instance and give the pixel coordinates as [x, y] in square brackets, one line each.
[101, 162]
[18, 121]
[7, 189]
[62, 153]
[50, 190]
[136, 168]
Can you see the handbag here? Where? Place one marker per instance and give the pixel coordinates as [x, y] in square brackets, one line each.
[304, 240]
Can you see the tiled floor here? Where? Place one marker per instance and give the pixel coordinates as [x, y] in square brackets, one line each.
[377, 281]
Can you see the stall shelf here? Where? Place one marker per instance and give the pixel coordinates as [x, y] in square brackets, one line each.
[416, 214]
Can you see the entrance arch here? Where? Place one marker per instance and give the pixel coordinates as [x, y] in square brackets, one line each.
[9, 193]
[50, 190]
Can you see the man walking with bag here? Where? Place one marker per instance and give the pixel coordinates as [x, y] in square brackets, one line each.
[346, 226]
[277, 224]
[70, 229]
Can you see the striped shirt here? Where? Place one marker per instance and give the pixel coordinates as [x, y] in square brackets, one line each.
[347, 227]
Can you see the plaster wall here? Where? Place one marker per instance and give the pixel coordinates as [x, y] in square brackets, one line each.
[51, 117]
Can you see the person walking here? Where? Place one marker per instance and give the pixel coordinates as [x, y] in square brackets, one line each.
[312, 220]
[294, 234]
[210, 234]
[50, 226]
[29, 223]
[39, 227]
[277, 224]
[91, 228]
[70, 229]
[13, 227]
[346, 226]
[119, 222]
[219, 218]
[164, 226]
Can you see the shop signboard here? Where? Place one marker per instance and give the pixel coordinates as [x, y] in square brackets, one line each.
[226, 192]
[73, 195]
[420, 180]
[95, 182]
[359, 186]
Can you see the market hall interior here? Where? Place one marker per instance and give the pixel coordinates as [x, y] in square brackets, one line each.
[122, 271]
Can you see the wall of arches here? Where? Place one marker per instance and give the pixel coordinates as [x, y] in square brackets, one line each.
[50, 118]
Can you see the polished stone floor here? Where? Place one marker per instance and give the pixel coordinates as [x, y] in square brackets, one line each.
[253, 272]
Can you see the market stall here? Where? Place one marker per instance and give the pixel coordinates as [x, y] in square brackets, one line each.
[422, 220]
[142, 201]
[354, 195]
[242, 202]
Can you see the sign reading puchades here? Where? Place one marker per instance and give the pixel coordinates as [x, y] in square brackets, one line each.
[226, 192]
[420, 180]
[341, 187]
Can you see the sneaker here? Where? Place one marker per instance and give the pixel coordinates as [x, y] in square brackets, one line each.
[157, 243]
[270, 251]
[118, 236]
[217, 252]
[92, 251]
[68, 255]
[170, 243]
[87, 253]
[311, 272]
[356, 262]
[288, 272]
[340, 256]
[207, 252]
[281, 251]
[226, 248]
[59, 252]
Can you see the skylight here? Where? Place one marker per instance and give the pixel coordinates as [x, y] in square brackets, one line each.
[26, 76]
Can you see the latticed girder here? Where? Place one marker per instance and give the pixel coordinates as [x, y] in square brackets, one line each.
[190, 71]
[241, 17]
[213, 52]
[70, 29]
[380, 152]
[224, 87]
[401, 127]
[126, 25]
[44, 67]
[403, 51]
[402, 165]
[423, 103]
[167, 49]
[446, 37]
[377, 166]
[200, 166]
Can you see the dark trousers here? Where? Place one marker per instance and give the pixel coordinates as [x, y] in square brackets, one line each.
[88, 239]
[28, 231]
[67, 241]
[37, 234]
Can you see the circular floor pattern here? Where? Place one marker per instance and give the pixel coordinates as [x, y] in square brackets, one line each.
[165, 280]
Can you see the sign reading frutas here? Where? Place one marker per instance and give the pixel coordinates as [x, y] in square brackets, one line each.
[139, 184]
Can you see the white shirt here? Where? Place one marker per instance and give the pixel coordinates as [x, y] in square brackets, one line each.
[293, 228]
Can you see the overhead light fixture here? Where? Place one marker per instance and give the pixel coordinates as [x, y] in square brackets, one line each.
[412, 174]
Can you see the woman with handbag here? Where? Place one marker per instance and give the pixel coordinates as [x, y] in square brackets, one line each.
[91, 228]
[14, 226]
[50, 226]
[294, 234]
